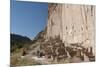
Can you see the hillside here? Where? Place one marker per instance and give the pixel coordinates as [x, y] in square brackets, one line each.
[18, 41]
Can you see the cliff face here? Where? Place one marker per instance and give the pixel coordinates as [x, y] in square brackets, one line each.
[73, 23]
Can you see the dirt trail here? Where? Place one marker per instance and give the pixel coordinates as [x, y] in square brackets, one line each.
[41, 60]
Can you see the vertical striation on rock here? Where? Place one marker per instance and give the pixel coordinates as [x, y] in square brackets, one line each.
[73, 23]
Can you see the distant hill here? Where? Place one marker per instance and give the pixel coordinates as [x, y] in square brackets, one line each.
[18, 41]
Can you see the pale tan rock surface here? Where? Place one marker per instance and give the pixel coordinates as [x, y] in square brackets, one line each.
[73, 23]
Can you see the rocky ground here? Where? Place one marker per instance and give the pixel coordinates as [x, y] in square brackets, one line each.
[55, 52]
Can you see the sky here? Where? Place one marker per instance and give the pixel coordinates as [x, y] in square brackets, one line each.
[28, 18]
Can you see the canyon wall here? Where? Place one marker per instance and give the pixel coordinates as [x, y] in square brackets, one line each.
[72, 23]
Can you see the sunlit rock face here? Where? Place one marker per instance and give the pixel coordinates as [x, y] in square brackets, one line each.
[75, 24]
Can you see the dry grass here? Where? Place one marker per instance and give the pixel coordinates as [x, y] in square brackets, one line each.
[16, 60]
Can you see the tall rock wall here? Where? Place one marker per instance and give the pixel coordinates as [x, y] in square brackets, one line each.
[73, 23]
